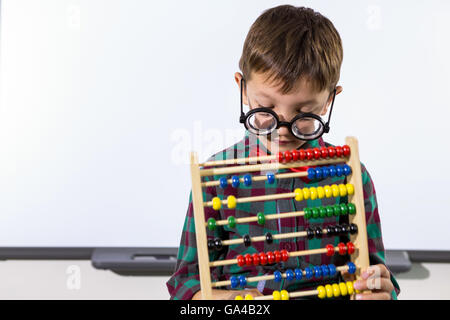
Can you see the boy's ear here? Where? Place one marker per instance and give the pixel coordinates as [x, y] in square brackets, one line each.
[238, 77]
[330, 99]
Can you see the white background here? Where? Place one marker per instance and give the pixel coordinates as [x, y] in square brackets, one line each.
[101, 102]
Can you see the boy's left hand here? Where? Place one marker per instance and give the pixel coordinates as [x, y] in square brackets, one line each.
[377, 279]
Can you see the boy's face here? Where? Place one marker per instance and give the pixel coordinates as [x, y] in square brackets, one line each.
[304, 99]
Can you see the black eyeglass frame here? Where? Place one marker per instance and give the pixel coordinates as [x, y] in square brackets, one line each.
[326, 126]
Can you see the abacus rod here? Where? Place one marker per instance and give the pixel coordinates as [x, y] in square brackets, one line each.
[238, 161]
[269, 166]
[259, 178]
[262, 238]
[267, 217]
[268, 277]
[275, 196]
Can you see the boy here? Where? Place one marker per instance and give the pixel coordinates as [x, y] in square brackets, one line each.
[290, 69]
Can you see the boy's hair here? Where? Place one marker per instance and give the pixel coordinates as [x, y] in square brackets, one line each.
[291, 43]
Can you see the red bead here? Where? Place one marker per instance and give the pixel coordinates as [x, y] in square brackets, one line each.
[331, 152]
[350, 247]
[240, 260]
[324, 152]
[346, 150]
[270, 257]
[287, 156]
[309, 154]
[339, 151]
[284, 255]
[330, 250]
[280, 157]
[316, 153]
[295, 155]
[302, 154]
[248, 259]
[342, 248]
[255, 258]
[263, 258]
[277, 255]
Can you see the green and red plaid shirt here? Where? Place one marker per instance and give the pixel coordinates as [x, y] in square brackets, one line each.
[185, 282]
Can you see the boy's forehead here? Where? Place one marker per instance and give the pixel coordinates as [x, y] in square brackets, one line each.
[302, 91]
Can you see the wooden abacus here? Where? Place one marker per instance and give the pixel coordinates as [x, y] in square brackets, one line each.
[357, 247]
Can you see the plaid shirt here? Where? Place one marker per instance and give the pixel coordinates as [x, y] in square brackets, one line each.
[185, 282]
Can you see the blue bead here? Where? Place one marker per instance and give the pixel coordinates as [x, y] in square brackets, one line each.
[332, 170]
[318, 173]
[351, 268]
[248, 180]
[317, 272]
[347, 169]
[325, 172]
[289, 274]
[308, 273]
[339, 171]
[223, 182]
[311, 173]
[234, 282]
[235, 181]
[242, 281]
[298, 274]
[332, 268]
[278, 276]
[325, 270]
[270, 178]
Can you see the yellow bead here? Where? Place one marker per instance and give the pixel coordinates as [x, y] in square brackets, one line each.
[321, 292]
[350, 188]
[328, 191]
[298, 194]
[248, 297]
[284, 295]
[238, 298]
[217, 203]
[343, 288]
[306, 193]
[336, 291]
[335, 190]
[276, 295]
[320, 192]
[342, 190]
[356, 290]
[329, 290]
[231, 200]
[349, 287]
[313, 193]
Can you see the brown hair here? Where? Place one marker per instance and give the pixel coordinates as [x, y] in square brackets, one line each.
[290, 43]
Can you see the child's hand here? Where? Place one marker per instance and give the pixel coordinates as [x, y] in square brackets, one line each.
[377, 279]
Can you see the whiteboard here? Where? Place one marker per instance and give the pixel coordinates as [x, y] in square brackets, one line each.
[102, 101]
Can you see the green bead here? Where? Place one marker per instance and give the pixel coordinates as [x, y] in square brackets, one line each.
[308, 213]
[337, 210]
[315, 213]
[330, 211]
[231, 221]
[261, 218]
[323, 212]
[344, 209]
[351, 208]
[211, 224]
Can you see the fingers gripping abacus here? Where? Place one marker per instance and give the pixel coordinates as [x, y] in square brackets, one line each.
[326, 162]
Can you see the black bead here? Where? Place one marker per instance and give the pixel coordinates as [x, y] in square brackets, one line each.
[337, 230]
[211, 244]
[309, 233]
[343, 230]
[330, 231]
[218, 244]
[247, 240]
[353, 228]
[318, 232]
[269, 238]
[345, 227]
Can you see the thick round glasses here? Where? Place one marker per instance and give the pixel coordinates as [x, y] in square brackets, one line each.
[304, 126]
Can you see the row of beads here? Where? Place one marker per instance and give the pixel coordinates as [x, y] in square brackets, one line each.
[330, 171]
[327, 191]
[315, 153]
[317, 272]
[335, 230]
[217, 242]
[330, 211]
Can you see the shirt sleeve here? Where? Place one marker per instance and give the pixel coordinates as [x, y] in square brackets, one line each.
[375, 241]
